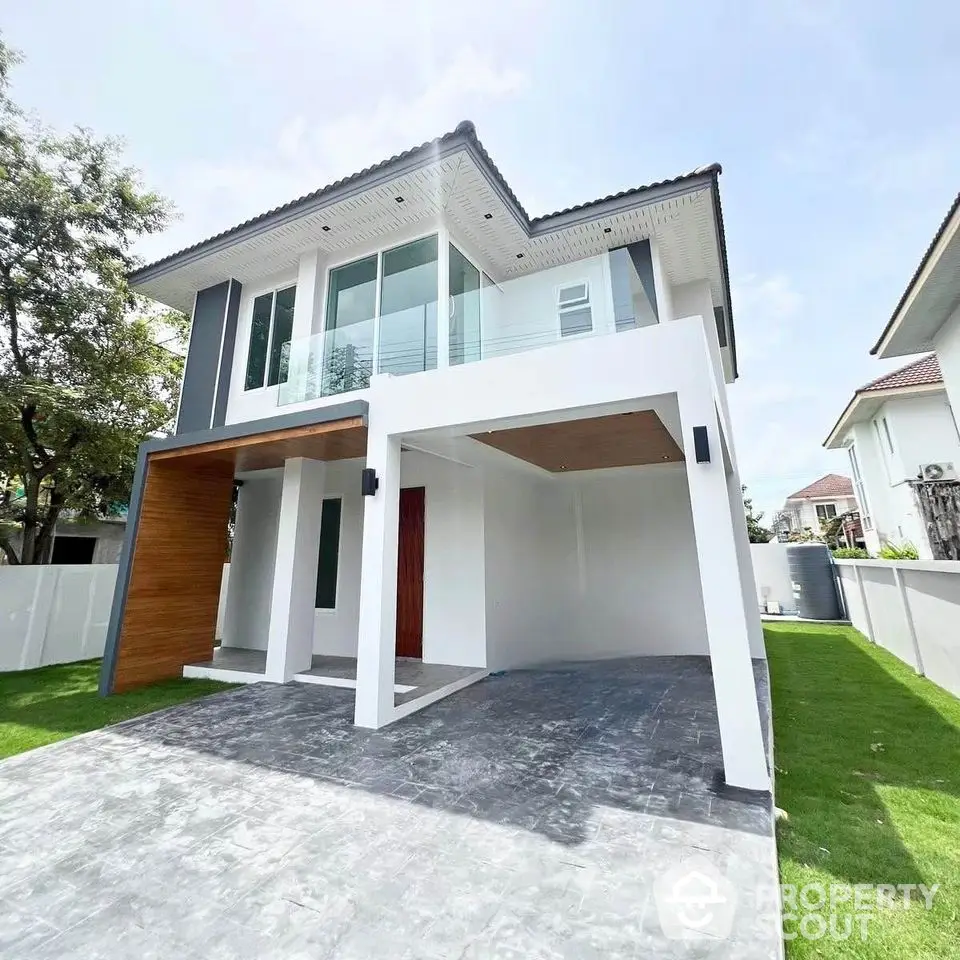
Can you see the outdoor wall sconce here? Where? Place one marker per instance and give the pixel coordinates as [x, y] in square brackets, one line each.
[369, 482]
[701, 444]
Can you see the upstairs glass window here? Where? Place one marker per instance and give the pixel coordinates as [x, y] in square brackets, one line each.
[408, 308]
[271, 328]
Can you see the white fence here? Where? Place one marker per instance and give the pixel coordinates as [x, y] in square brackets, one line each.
[58, 613]
[911, 608]
[771, 572]
[53, 614]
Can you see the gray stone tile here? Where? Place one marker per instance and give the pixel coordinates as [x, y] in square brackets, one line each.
[527, 816]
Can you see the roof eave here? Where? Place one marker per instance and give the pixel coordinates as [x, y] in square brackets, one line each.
[894, 324]
[463, 138]
[862, 397]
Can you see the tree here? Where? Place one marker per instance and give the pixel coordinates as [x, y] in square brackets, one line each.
[756, 532]
[84, 374]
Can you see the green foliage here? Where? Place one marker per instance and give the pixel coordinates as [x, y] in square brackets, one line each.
[851, 553]
[899, 551]
[755, 531]
[85, 374]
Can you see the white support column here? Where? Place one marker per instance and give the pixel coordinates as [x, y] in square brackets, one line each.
[293, 602]
[866, 608]
[309, 294]
[377, 629]
[748, 583]
[908, 617]
[744, 759]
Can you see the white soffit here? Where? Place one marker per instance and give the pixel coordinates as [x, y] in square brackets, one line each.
[456, 188]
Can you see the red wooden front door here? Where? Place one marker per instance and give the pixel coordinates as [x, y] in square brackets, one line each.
[410, 573]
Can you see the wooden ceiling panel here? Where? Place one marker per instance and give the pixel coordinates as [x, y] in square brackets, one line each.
[337, 440]
[619, 440]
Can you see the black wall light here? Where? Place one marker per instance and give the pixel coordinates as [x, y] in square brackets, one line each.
[701, 444]
[369, 482]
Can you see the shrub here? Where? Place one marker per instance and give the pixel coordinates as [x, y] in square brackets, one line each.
[851, 553]
[899, 551]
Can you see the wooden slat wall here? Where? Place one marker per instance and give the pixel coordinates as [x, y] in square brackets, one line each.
[170, 617]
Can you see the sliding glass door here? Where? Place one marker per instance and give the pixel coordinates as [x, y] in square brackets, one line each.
[408, 308]
[464, 309]
[349, 331]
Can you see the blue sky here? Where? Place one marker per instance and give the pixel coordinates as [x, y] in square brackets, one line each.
[835, 123]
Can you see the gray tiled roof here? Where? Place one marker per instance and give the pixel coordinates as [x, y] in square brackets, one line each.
[466, 132]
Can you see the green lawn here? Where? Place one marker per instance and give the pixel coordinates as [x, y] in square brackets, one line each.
[868, 770]
[53, 703]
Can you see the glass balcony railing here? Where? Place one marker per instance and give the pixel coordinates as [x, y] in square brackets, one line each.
[405, 342]
[326, 364]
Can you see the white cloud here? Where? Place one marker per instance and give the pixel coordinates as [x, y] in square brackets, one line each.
[215, 194]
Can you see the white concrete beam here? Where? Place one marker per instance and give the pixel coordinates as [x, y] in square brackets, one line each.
[293, 602]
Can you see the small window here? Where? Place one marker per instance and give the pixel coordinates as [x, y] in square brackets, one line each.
[271, 327]
[329, 559]
[826, 511]
[573, 306]
[886, 431]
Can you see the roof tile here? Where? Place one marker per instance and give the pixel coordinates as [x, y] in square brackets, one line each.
[920, 372]
[832, 485]
[465, 129]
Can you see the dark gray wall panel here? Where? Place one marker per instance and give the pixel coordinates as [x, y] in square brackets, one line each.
[203, 359]
[721, 320]
[226, 354]
[642, 258]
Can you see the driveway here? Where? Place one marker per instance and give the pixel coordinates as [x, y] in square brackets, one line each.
[529, 816]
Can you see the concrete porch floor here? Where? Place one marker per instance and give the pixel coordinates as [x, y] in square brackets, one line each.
[412, 678]
[529, 816]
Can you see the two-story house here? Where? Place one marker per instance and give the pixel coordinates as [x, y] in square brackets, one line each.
[927, 317]
[460, 440]
[898, 431]
[816, 504]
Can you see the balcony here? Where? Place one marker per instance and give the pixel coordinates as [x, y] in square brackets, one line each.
[382, 317]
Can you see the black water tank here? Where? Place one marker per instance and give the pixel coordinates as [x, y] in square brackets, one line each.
[814, 586]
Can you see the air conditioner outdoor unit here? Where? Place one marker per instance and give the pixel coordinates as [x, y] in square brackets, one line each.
[937, 471]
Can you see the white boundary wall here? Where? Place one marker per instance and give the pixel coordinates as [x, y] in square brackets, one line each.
[911, 608]
[771, 574]
[59, 613]
[54, 614]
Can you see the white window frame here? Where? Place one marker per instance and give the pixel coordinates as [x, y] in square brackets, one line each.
[483, 273]
[378, 253]
[572, 307]
[884, 454]
[329, 611]
[273, 290]
[825, 518]
[866, 519]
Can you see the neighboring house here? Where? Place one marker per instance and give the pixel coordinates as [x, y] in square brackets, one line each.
[76, 541]
[816, 504]
[928, 318]
[895, 430]
[546, 473]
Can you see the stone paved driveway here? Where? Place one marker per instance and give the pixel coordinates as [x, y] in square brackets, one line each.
[526, 817]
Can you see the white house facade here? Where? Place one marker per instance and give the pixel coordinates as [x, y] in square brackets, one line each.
[898, 431]
[458, 440]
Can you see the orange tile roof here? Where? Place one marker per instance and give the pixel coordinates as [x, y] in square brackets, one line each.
[920, 372]
[832, 485]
